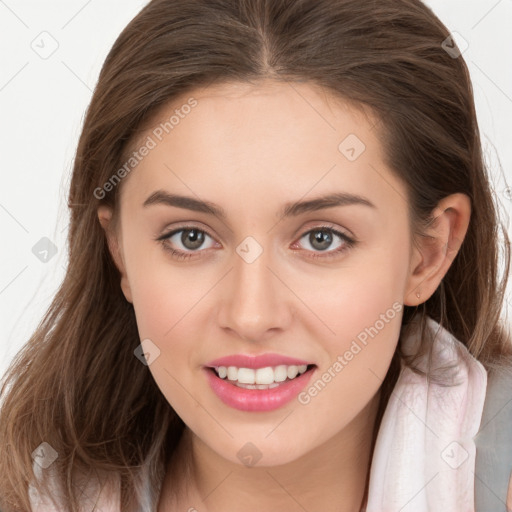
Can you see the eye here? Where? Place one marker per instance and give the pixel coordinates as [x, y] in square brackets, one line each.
[190, 238]
[321, 238]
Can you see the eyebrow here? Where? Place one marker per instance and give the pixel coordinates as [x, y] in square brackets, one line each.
[293, 209]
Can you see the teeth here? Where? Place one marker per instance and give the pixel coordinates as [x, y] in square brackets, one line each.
[257, 386]
[232, 372]
[260, 378]
[280, 373]
[292, 372]
[246, 376]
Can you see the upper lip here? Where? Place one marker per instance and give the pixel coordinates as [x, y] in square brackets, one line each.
[260, 361]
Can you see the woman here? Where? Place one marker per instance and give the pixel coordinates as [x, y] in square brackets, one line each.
[283, 287]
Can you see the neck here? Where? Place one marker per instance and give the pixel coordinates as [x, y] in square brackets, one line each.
[331, 477]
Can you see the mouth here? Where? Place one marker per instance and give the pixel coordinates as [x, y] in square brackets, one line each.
[258, 389]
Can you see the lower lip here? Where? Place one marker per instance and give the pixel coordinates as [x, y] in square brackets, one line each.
[257, 400]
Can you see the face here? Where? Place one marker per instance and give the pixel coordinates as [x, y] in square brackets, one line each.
[275, 270]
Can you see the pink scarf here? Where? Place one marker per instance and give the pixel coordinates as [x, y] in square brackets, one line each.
[424, 458]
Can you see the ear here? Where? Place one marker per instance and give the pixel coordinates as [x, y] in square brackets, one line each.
[433, 253]
[115, 248]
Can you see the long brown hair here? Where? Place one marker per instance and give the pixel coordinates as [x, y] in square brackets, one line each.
[76, 384]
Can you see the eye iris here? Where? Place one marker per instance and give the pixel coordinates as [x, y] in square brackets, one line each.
[192, 238]
[324, 238]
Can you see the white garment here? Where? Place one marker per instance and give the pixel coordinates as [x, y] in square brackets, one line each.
[424, 457]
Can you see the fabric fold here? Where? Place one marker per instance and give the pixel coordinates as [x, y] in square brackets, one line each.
[424, 457]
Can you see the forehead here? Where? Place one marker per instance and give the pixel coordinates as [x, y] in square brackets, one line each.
[264, 138]
[258, 104]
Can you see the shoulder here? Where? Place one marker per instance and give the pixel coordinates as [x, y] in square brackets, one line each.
[493, 467]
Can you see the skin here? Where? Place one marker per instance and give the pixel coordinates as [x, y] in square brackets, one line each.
[250, 149]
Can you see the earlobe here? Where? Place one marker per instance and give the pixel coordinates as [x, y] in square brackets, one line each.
[437, 248]
[105, 219]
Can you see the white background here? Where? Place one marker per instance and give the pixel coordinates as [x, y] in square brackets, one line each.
[43, 101]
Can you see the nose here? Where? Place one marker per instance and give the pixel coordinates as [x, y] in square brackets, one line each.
[255, 299]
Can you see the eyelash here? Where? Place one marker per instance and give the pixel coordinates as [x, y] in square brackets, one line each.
[180, 255]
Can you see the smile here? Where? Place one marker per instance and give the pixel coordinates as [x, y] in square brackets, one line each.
[258, 389]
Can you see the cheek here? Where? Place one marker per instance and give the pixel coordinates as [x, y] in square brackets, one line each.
[162, 291]
[362, 309]
[365, 291]
[156, 303]
[167, 303]
[366, 325]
